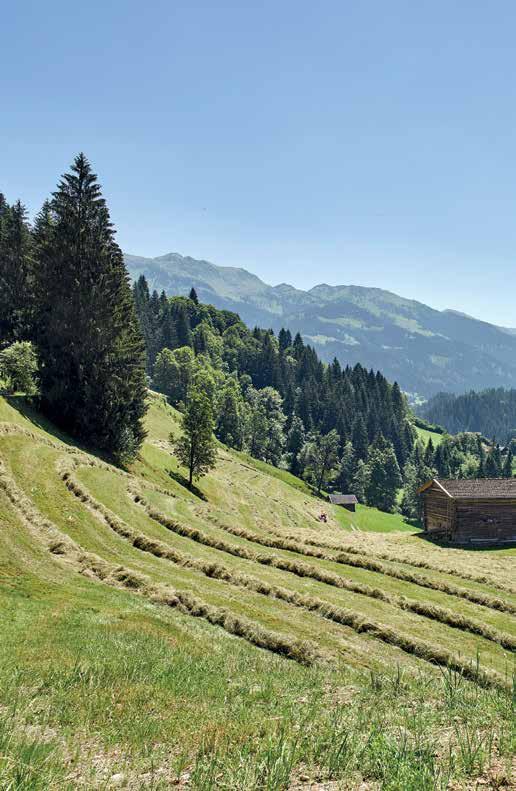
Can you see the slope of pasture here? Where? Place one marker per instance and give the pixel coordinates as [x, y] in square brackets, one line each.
[425, 435]
[151, 635]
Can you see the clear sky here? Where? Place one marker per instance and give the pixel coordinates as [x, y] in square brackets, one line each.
[341, 141]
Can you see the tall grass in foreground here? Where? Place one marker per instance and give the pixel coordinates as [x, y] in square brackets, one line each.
[382, 739]
[211, 723]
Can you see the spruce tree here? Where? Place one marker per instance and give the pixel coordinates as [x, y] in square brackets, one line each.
[183, 328]
[497, 460]
[230, 418]
[507, 465]
[16, 273]
[346, 469]
[442, 461]
[360, 480]
[359, 438]
[193, 296]
[414, 478]
[284, 339]
[88, 335]
[429, 453]
[295, 442]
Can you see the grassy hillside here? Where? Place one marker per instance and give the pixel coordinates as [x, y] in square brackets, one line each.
[227, 638]
[424, 434]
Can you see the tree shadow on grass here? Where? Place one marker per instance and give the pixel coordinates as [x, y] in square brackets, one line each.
[183, 481]
[29, 411]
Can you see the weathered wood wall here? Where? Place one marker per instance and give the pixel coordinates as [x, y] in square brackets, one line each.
[486, 521]
[439, 511]
[474, 521]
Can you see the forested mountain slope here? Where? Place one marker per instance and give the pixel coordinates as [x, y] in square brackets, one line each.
[425, 350]
[141, 612]
[491, 412]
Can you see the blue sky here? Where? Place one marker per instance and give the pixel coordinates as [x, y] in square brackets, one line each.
[359, 142]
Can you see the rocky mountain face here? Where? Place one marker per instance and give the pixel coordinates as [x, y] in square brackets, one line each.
[425, 350]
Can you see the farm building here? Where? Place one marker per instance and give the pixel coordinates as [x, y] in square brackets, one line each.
[348, 501]
[473, 511]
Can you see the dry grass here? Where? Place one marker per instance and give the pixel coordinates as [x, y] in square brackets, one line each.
[463, 574]
[364, 562]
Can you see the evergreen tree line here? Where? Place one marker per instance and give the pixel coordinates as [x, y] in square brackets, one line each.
[491, 412]
[64, 289]
[343, 428]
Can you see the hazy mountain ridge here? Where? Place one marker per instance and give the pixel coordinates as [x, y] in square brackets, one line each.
[426, 350]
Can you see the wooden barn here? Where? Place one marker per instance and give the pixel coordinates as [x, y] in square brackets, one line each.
[348, 501]
[476, 511]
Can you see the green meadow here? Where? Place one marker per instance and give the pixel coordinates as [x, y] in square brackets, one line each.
[227, 638]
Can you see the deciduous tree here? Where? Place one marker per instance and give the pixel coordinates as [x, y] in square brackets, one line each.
[196, 448]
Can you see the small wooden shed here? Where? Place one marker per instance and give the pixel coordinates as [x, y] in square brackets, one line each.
[470, 511]
[348, 501]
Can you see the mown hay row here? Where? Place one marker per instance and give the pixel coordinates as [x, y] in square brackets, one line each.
[303, 652]
[420, 564]
[13, 429]
[368, 564]
[476, 597]
[40, 527]
[433, 612]
[340, 615]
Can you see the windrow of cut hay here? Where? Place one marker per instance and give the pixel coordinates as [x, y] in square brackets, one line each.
[481, 579]
[364, 562]
[340, 615]
[40, 527]
[221, 572]
[304, 652]
[58, 543]
[313, 604]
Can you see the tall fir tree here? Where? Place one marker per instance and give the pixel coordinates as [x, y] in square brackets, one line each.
[183, 327]
[507, 465]
[359, 438]
[16, 273]
[347, 469]
[89, 339]
[230, 414]
[428, 458]
[497, 460]
[493, 468]
[294, 444]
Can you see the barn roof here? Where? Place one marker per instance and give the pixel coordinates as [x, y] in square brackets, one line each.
[343, 499]
[475, 488]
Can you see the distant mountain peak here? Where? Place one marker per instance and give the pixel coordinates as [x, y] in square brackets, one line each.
[424, 349]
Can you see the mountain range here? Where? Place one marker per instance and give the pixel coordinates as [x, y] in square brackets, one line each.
[425, 350]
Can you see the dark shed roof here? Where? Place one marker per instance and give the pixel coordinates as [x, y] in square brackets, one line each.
[343, 499]
[476, 488]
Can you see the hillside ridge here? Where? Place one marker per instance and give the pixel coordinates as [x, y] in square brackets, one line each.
[424, 349]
